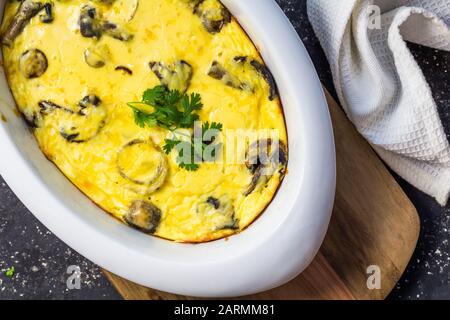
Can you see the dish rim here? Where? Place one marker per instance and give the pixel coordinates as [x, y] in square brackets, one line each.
[240, 265]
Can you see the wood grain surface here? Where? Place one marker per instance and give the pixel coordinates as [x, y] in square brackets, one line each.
[373, 223]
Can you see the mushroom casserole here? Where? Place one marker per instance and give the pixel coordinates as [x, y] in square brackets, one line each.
[121, 94]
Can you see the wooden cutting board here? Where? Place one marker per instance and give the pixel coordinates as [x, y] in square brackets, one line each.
[373, 223]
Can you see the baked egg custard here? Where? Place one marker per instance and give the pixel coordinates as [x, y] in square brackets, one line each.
[160, 111]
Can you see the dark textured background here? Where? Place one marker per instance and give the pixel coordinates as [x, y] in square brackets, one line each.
[41, 259]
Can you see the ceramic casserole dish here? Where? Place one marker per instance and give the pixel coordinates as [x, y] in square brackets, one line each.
[278, 246]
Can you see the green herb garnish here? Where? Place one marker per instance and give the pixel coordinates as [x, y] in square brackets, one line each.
[170, 144]
[172, 110]
[169, 109]
[10, 272]
[197, 147]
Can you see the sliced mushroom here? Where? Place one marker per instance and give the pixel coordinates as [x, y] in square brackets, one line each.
[47, 15]
[80, 134]
[219, 211]
[117, 32]
[143, 164]
[92, 26]
[96, 56]
[240, 59]
[233, 224]
[267, 75]
[176, 76]
[213, 14]
[124, 70]
[218, 71]
[257, 179]
[89, 24]
[87, 101]
[242, 65]
[47, 107]
[33, 63]
[27, 10]
[70, 137]
[143, 216]
[264, 158]
[214, 202]
[134, 7]
[80, 124]
[32, 118]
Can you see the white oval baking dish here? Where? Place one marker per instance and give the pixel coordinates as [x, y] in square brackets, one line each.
[273, 250]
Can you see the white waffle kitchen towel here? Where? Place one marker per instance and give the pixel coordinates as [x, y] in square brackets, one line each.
[381, 86]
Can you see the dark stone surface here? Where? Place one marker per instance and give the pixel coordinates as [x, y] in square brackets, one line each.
[41, 260]
[428, 275]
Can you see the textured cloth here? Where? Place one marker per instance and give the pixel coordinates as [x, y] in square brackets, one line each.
[380, 85]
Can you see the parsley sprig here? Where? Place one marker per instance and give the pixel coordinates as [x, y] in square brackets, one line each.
[202, 148]
[172, 110]
[169, 109]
